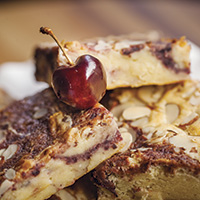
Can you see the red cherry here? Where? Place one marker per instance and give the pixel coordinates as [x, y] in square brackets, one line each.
[82, 85]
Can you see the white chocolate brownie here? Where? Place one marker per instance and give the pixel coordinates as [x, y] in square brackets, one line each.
[127, 62]
[46, 145]
[163, 162]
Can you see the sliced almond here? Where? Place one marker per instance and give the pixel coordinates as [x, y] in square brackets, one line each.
[40, 113]
[144, 148]
[158, 139]
[5, 186]
[1, 151]
[149, 129]
[10, 174]
[195, 101]
[10, 151]
[186, 142]
[2, 134]
[150, 94]
[172, 112]
[127, 138]
[136, 112]
[189, 119]
[140, 122]
[102, 45]
[149, 135]
[188, 92]
[118, 110]
[193, 128]
[125, 96]
[127, 128]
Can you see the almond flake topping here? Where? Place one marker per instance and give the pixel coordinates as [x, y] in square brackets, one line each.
[189, 119]
[5, 186]
[150, 94]
[10, 174]
[133, 112]
[118, 110]
[40, 113]
[102, 45]
[10, 151]
[140, 122]
[128, 139]
[183, 141]
[195, 101]
[172, 112]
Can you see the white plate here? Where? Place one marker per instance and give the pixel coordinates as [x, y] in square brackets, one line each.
[17, 78]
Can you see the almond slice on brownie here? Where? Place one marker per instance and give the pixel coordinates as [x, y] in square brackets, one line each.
[127, 62]
[46, 145]
[5, 99]
[163, 162]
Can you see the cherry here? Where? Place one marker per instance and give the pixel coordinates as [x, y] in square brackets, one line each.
[82, 84]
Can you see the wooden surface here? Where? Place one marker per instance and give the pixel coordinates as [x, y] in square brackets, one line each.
[70, 20]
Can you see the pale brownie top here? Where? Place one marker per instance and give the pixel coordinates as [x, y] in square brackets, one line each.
[128, 63]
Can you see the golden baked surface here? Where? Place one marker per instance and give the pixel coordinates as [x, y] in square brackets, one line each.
[46, 145]
[163, 161]
[127, 62]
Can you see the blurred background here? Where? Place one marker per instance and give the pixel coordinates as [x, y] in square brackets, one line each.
[78, 19]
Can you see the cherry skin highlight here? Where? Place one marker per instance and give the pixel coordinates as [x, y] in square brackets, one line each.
[82, 85]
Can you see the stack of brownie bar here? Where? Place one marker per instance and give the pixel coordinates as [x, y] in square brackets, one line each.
[140, 142]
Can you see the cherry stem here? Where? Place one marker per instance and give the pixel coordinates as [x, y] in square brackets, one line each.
[48, 31]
